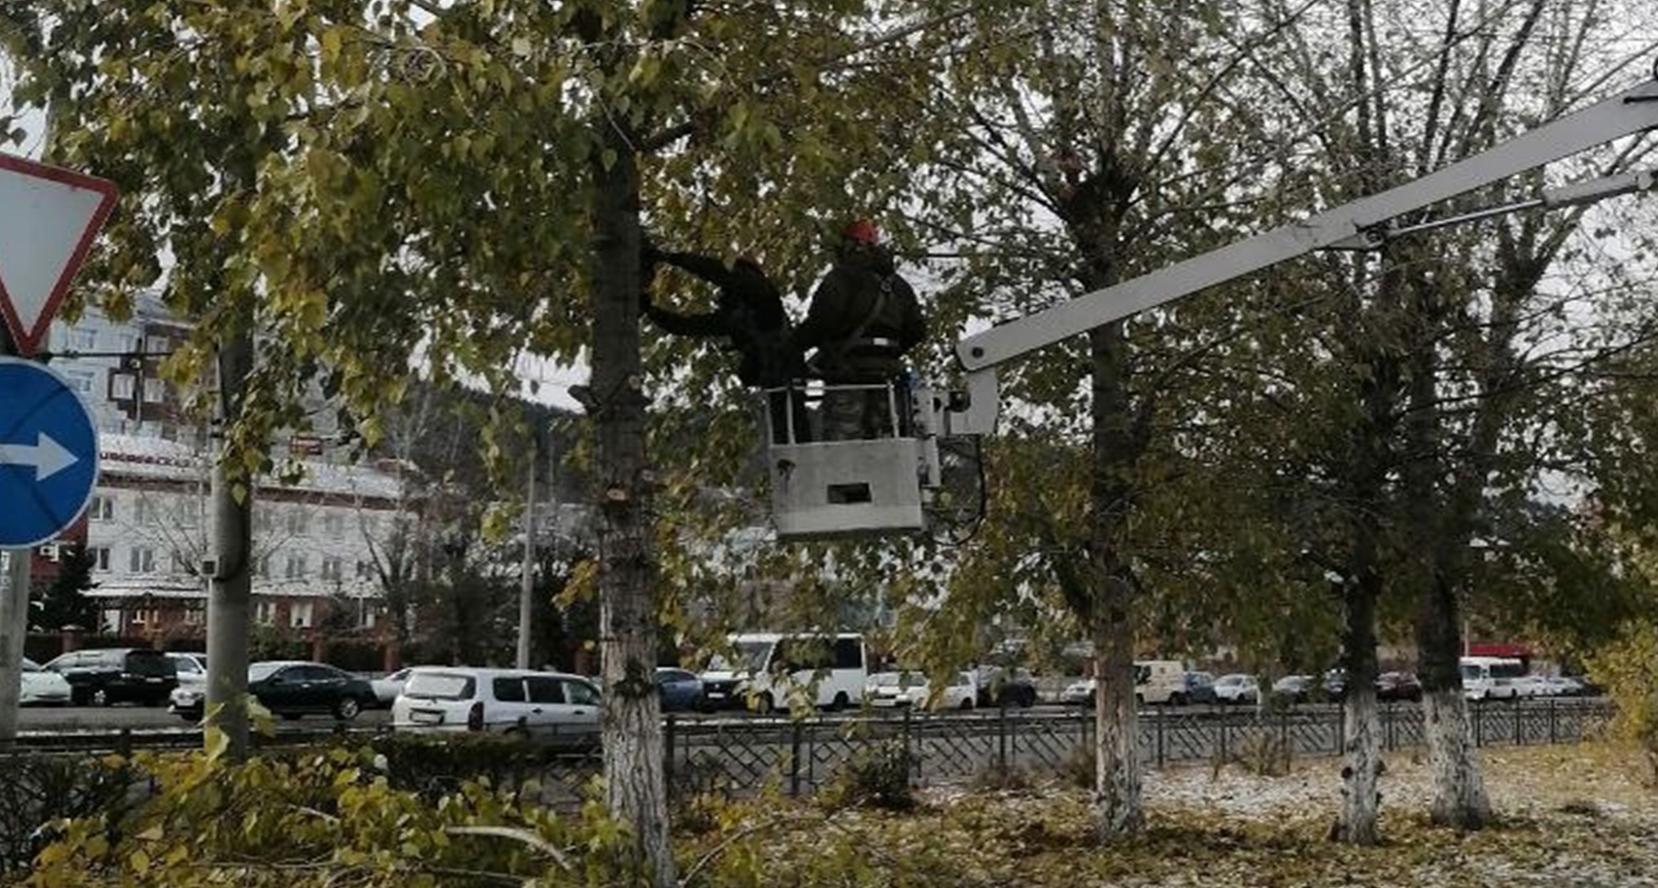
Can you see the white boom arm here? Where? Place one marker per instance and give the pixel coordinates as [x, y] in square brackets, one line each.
[1360, 224]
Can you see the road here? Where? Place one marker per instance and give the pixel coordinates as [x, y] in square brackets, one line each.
[48, 719]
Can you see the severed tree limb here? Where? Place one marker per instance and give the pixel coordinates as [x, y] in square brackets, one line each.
[520, 835]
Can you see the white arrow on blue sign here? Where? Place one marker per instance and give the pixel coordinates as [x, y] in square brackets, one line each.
[48, 454]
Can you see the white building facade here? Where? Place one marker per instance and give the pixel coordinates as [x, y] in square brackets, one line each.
[148, 528]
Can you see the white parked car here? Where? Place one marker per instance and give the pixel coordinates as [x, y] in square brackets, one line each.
[900, 689]
[549, 707]
[191, 668]
[1564, 686]
[1237, 688]
[42, 688]
[386, 689]
[1531, 686]
[1078, 693]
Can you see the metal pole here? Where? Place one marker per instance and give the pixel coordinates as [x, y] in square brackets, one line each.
[668, 754]
[526, 589]
[14, 631]
[14, 619]
[230, 584]
[794, 761]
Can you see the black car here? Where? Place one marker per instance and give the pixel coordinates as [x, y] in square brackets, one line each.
[294, 689]
[1398, 686]
[1199, 688]
[115, 675]
[1003, 687]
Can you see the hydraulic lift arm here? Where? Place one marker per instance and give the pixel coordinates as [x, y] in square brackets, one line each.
[1362, 224]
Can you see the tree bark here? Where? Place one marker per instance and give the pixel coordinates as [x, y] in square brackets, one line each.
[1117, 447]
[635, 784]
[230, 588]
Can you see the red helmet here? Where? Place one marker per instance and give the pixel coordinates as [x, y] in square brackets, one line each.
[861, 231]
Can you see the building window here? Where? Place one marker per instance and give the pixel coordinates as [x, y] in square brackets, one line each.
[187, 511]
[145, 616]
[82, 339]
[121, 386]
[264, 612]
[332, 569]
[262, 520]
[365, 570]
[141, 560]
[155, 391]
[262, 567]
[366, 614]
[333, 525]
[101, 509]
[100, 557]
[193, 616]
[157, 345]
[299, 522]
[147, 511]
[296, 567]
[82, 381]
[299, 614]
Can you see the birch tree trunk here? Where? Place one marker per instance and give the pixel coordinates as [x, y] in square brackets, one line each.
[635, 784]
[1459, 798]
[1361, 768]
[1117, 808]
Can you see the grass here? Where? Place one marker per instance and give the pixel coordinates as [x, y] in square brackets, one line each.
[1567, 816]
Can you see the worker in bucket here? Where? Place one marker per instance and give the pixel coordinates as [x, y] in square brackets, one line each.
[748, 314]
[862, 321]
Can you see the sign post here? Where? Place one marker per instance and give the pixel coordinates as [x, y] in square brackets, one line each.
[48, 442]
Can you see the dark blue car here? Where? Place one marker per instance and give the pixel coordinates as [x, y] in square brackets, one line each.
[681, 691]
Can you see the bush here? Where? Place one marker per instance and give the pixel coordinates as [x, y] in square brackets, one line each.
[1265, 754]
[1078, 768]
[37, 790]
[437, 766]
[877, 776]
[994, 779]
[1628, 669]
[321, 818]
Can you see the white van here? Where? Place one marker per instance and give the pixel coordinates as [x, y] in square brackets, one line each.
[1155, 681]
[1491, 678]
[770, 671]
[550, 707]
[1159, 681]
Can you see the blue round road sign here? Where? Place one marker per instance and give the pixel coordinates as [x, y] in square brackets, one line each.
[48, 454]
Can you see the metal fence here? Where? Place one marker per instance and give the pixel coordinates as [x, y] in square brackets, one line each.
[801, 756]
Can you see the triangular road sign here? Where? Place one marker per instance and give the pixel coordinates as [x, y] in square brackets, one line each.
[48, 218]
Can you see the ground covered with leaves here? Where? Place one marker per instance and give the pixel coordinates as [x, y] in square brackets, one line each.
[345, 818]
[1568, 816]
